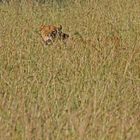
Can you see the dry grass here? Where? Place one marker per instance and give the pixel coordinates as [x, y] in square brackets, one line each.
[86, 90]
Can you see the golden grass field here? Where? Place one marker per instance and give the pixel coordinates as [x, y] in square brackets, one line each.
[88, 89]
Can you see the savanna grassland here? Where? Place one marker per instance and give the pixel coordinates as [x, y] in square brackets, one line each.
[86, 89]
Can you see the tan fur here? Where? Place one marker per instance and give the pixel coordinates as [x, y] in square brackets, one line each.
[49, 33]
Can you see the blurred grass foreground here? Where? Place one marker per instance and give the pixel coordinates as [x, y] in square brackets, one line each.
[88, 89]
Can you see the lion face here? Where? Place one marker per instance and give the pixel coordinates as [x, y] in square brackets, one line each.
[50, 33]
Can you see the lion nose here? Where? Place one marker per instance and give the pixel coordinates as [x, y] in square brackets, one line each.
[48, 41]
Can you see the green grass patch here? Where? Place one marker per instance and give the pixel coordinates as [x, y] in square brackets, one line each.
[87, 89]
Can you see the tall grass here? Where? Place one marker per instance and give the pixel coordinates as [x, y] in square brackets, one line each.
[88, 89]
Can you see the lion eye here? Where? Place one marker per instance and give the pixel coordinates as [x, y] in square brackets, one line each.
[54, 32]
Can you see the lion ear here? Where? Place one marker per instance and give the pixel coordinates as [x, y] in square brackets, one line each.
[60, 27]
